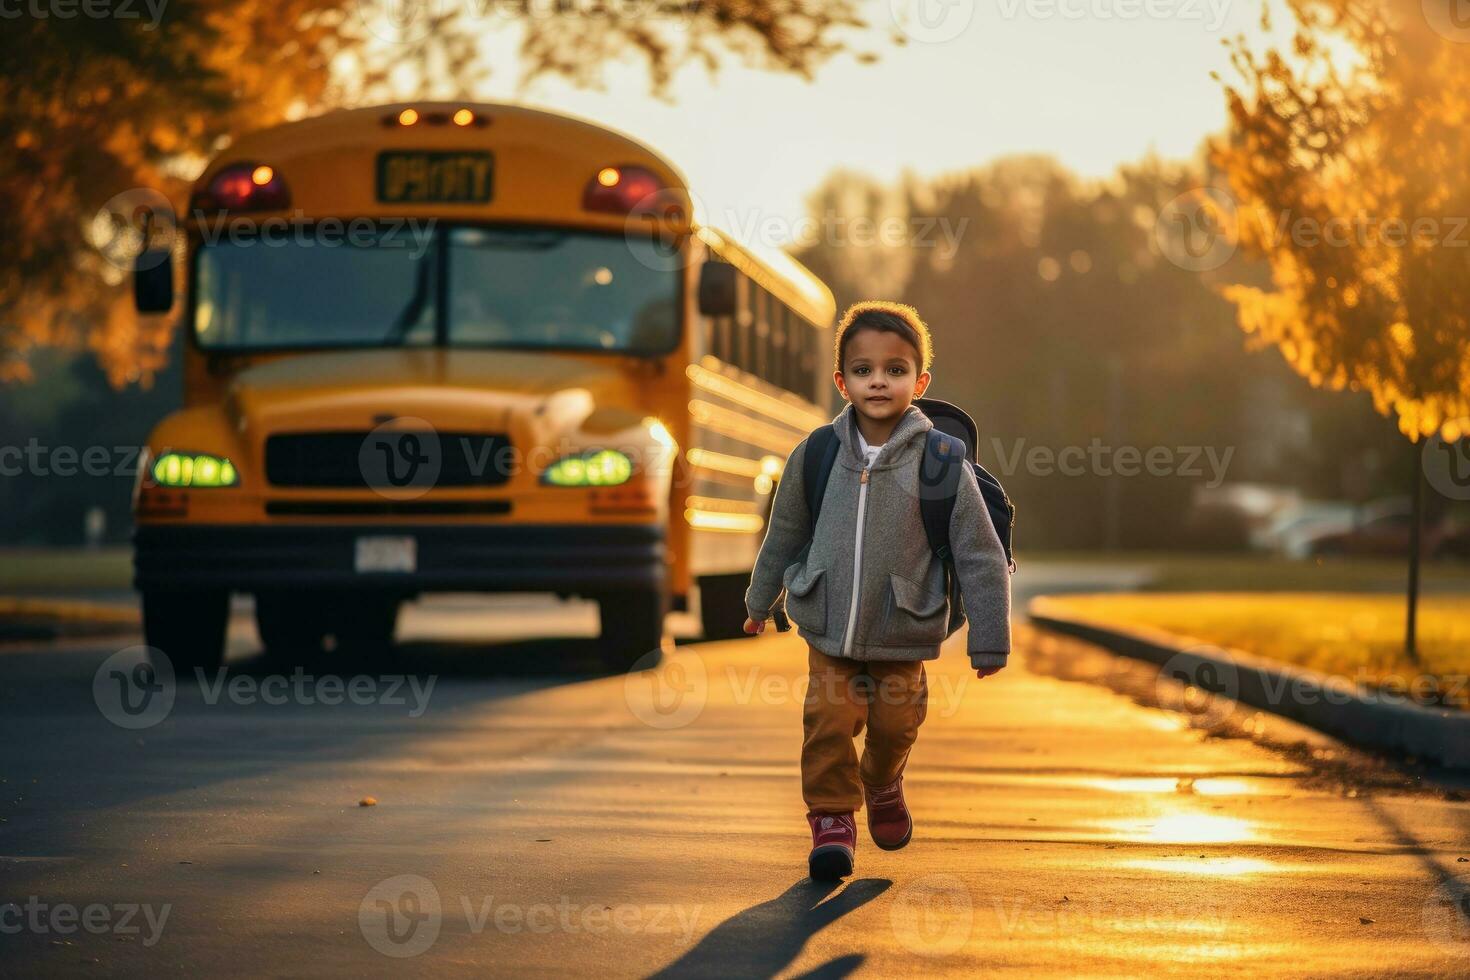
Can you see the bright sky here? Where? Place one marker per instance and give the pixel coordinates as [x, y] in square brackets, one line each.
[1092, 82]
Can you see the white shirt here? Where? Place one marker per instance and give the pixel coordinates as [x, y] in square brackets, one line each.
[870, 452]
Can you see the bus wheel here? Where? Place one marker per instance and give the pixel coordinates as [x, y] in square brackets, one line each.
[291, 626]
[722, 605]
[632, 626]
[187, 626]
[364, 625]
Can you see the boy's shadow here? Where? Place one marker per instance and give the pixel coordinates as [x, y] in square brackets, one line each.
[765, 938]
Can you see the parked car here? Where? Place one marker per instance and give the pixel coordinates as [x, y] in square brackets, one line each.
[1383, 529]
[1291, 531]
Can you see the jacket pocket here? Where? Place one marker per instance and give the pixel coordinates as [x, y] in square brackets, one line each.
[806, 600]
[914, 615]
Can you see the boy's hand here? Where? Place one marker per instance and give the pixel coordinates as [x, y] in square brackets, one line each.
[754, 626]
[987, 671]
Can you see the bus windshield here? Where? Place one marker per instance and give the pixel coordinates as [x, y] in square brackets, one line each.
[501, 287]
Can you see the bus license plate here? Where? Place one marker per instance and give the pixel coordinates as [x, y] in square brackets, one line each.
[386, 554]
[425, 177]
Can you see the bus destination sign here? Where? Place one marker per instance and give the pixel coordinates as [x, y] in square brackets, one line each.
[434, 177]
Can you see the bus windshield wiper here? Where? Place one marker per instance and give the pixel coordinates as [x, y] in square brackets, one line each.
[411, 313]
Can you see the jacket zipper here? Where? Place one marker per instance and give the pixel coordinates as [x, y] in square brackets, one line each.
[857, 560]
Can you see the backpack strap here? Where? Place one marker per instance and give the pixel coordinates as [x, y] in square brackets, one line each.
[816, 467]
[939, 485]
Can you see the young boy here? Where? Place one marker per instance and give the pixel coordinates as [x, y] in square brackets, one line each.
[867, 645]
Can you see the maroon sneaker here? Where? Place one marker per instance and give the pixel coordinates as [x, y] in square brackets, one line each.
[888, 817]
[834, 835]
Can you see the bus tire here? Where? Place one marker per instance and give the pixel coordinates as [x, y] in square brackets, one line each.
[292, 626]
[632, 627]
[364, 625]
[187, 626]
[722, 605]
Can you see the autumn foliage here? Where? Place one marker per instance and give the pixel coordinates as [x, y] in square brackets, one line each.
[1346, 160]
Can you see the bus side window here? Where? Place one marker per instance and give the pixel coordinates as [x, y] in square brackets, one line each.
[762, 336]
[743, 332]
[806, 385]
[779, 356]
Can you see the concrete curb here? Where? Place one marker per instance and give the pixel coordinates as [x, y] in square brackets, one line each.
[29, 620]
[1378, 720]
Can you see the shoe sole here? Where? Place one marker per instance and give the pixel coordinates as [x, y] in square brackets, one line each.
[893, 847]
[829, 863]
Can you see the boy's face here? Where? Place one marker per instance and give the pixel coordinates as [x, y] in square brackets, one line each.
[880, 375]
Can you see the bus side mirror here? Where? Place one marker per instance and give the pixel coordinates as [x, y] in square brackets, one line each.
[153, 281]
[717, 289]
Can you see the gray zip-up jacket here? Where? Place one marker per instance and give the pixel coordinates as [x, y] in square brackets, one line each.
[902, 608]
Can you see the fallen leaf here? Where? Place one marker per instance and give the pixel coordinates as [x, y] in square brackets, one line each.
[368, 801]
[1365, 920]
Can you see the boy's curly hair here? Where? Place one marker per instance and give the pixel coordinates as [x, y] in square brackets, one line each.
[888, 317]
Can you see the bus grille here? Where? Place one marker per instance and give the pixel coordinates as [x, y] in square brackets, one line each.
[352, 460]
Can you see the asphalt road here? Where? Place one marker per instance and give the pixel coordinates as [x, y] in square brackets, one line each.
[1074, 817]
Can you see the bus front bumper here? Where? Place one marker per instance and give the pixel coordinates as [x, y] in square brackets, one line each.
[574, 559]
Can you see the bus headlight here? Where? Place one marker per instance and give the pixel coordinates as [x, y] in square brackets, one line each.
[598, 468]
[183, 469]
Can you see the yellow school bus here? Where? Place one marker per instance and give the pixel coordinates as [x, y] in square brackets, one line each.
[463, 347]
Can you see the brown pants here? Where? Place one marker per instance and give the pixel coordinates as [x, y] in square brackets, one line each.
[889, 697]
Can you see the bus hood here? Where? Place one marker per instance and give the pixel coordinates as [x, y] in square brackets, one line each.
[530, 396]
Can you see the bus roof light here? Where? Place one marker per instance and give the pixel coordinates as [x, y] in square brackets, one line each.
[408, 117]
[618, 190]
[243, 187]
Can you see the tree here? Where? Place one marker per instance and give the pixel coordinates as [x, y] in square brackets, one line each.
[1348, 175]
[94, 107]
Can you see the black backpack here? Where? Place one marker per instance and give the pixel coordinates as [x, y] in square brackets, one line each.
[954, 439]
